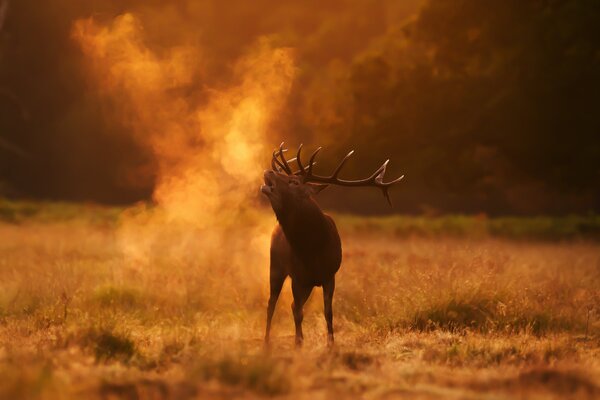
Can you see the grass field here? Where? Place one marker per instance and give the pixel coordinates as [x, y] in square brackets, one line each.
[451, 307]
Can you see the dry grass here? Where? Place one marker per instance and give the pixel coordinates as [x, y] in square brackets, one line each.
[415, 317]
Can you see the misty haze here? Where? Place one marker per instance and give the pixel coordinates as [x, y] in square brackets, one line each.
[154, 229]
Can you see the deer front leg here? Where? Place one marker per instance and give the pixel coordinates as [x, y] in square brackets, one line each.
[328, 289]
[277, 280]
[300, 294]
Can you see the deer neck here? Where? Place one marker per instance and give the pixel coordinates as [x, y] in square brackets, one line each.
[305, 226]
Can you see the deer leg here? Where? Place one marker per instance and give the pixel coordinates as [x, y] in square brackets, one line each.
[276, 283]
[301, 294]
[328, 289]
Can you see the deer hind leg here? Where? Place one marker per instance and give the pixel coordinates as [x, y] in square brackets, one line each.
[276, 282]
[300, 294]
[328, 289]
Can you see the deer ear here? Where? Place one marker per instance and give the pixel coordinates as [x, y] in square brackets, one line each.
[315, 188]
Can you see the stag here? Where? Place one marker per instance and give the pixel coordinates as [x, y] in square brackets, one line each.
[305, 245]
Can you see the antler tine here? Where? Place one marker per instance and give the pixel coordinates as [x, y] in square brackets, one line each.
[286, 166]
[398, 179]
[339, 167]
[274, 166]
[386, 194]
[299, 172]
[385, 186]
[378, 175]
[311, 163]
[299, 160]
[275, 163]
[302, 170]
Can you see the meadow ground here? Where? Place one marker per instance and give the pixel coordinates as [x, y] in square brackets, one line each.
[424, 308]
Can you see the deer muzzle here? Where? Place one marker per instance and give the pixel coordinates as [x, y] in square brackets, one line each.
[267, 188]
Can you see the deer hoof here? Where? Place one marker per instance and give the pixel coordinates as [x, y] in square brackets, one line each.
[330, 341]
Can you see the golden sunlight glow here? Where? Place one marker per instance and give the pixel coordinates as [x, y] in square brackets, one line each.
[208, 147]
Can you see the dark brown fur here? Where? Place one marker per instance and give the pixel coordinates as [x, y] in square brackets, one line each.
[305, 246]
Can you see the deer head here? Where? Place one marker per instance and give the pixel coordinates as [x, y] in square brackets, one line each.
[288, 188]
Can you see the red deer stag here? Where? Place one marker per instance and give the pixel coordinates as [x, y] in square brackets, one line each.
[305, 244]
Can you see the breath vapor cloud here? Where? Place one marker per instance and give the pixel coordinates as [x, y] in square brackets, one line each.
[209, 144]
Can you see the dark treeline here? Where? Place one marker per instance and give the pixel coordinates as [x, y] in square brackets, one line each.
[486, 106]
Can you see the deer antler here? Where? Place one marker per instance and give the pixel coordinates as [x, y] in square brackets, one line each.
[280, 164]
[376, 179]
